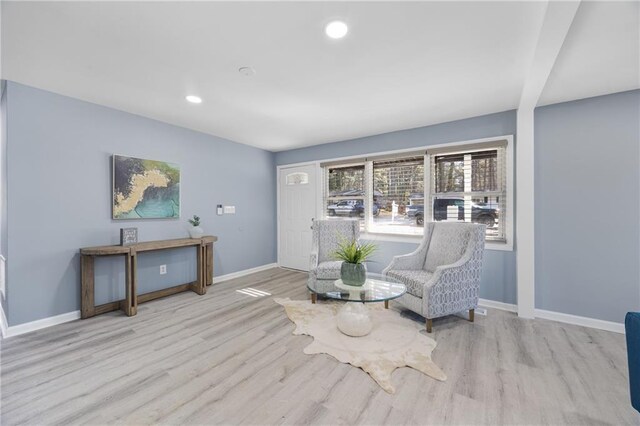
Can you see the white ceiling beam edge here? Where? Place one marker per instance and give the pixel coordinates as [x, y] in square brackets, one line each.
[553, 32]
[555, 27]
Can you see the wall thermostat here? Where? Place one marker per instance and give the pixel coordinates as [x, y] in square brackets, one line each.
[219, 210]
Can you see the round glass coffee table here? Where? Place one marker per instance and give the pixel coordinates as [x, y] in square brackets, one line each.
[353, 318]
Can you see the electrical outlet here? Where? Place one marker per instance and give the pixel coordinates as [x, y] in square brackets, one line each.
[163, 269]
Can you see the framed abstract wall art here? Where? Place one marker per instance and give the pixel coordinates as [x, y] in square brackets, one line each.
[145, 189]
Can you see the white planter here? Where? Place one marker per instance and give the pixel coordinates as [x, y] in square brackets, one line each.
[196, 232]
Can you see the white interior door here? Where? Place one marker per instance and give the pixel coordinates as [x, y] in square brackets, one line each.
[297, 207]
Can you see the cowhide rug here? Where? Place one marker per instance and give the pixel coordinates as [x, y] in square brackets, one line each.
[394, 341]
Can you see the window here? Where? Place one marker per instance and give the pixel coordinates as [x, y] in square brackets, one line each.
[460, 182]
[344, 192]
[377, 192]
[470, 186]
[397, 184]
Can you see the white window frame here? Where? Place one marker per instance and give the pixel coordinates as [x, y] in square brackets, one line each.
[377, 236]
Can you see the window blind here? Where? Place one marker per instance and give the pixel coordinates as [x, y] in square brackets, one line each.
[397, 183]
[470, 186]
[345, 182]
[344, 191]
[397, 193]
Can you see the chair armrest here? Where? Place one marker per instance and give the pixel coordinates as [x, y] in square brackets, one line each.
[411, 261]
[443, 270]
[313, 260]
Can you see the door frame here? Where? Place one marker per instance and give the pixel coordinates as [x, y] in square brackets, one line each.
[317, 190]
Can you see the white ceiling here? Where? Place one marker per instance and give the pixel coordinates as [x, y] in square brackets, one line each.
[600, 55]
[402, 65]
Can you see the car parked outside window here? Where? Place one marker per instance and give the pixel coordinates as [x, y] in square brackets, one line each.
[351, 208]
[480, 213]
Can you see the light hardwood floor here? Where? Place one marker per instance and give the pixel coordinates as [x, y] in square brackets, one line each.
[228, 358]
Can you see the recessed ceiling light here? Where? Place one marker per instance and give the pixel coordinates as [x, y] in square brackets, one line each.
[247, 71]
[336, 29]
[194, 99]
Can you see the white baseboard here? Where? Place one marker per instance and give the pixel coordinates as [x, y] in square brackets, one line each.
[583, 321]
[558, 316]
[492, 304]
[16, 330]
[244, 272]
[27, 327]
[497, 305]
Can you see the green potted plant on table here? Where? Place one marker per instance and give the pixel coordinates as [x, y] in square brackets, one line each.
[195, 231]
[353, 256]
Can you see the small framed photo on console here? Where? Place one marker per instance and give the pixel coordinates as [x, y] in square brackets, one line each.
[128, 236]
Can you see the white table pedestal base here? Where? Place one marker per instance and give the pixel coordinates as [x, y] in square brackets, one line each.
[353, 319]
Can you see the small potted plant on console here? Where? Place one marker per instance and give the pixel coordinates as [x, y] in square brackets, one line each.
[195, 230]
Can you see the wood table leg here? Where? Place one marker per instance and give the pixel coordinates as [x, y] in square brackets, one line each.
[314, 298]
[134, 282]
[386, 304]
[209, 261]
[200, 286]
[130, 306]
[87, 301]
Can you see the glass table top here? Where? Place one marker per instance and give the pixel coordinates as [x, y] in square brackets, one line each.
[376, 289]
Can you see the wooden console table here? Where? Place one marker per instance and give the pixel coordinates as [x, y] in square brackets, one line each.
[129, 305]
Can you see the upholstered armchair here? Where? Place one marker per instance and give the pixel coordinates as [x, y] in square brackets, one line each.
[443, 275]
[327, 234]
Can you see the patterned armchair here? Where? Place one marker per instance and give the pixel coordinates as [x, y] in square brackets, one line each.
[327, 234]
[443, 275]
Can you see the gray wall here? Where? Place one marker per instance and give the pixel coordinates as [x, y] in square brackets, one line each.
[59, 187]
[587, 198]
[499, 273]
[59, 184]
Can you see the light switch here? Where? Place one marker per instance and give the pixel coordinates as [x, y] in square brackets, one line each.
[229, 209]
